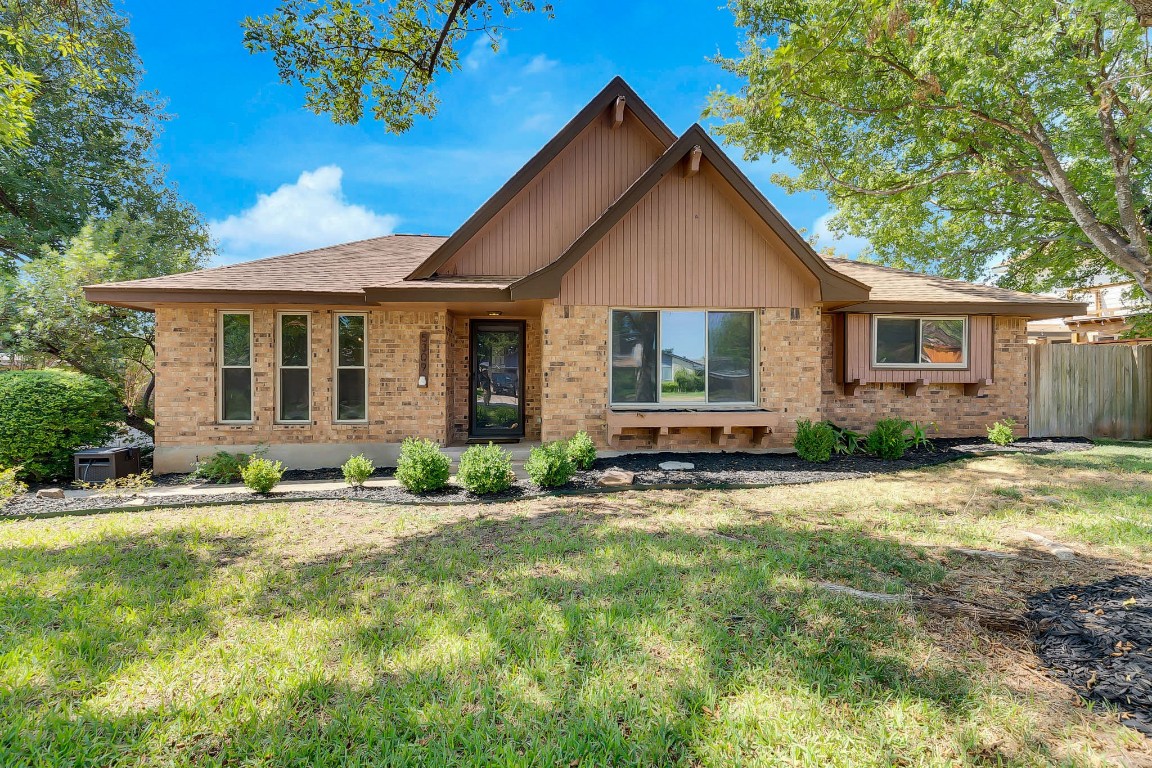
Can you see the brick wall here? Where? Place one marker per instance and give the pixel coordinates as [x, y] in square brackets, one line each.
[945, 405]
[186, 394]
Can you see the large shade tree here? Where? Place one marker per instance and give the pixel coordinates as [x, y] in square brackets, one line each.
[385, 56]
[77, 141]
[960, 134]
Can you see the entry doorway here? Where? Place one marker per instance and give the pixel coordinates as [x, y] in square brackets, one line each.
[496, 381]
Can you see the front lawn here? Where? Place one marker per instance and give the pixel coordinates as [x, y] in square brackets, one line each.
[645, 628]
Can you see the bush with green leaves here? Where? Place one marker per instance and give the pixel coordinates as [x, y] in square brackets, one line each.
[1001, 432]
[887, 439]
[486, 469]
[261, 475]
[549, 466]
[422, 466]
[581, 450]
[919, 437]
[10, 484]
[223, 467]
[46, 416]
[814, 441]
[357, 470]
[847, 441]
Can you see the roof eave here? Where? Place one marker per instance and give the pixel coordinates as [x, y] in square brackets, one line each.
[1031, 310]
[149, 298]
[408, 294]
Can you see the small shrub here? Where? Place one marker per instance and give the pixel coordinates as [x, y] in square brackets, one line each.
[45, 416]
[422, 466]
[581, 450]
[1001, 432]
[118, 485]
[261, 475]
[887, 439]
[847, 441]
[223, 467]
[10, 485]
[919, 438]
[549, 465]
[486, 469]
[814, 441]
[357, 470]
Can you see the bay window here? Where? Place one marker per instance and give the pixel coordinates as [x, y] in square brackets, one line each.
[919, 342]
[235, 363]
[683, 358]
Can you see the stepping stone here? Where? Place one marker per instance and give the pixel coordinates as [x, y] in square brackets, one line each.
[50, 493]
[672, 466]
[617, 477]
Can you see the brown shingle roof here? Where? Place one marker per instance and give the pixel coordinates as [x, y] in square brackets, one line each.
[895, 290]
[344, 268]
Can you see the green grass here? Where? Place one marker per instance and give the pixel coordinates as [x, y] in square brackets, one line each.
[653, 628]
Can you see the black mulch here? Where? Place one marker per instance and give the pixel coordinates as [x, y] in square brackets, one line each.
[710, 469]
[1097, 638]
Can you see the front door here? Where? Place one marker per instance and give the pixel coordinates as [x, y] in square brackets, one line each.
[497, 379]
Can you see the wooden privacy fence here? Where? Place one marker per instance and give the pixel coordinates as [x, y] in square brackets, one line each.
[1090, 390]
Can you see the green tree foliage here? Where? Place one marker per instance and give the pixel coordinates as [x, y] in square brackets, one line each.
[955, 134]
[353, 54]
[77, 141]
[45, 319]
[49, 414]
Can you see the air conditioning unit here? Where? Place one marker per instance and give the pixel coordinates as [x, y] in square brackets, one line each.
[95, 465]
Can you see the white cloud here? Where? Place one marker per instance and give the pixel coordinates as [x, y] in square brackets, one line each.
[480, 54]
[539, 63]
[844, 244]
[310, 213]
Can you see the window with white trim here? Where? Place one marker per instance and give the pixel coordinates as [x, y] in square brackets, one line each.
[919, 342]
[351, 360]
[294, 374]
[235, 362]
[683, 358]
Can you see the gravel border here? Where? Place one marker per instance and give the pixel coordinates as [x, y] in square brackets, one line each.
[713, 470]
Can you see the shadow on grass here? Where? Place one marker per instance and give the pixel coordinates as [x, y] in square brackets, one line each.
[526, 641]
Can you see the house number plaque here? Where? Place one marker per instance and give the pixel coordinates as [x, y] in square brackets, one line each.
[422, 381]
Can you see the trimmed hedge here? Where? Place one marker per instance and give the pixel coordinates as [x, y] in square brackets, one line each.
[814, 441]
[549, 466]
[45, 416]
[422, 466]
[486, 469]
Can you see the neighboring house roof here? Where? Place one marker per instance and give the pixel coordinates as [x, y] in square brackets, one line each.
[671, 358]
[898, 290]
[402, 268]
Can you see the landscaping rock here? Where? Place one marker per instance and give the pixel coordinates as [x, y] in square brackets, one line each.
[672, 466]
[50, 493]
[617, 477]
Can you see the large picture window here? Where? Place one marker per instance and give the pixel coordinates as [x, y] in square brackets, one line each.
[294, 396]
[920, 342]
[351, 368]
[682, 358]
[235, 343]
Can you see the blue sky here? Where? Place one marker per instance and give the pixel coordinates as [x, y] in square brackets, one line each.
[272, 177]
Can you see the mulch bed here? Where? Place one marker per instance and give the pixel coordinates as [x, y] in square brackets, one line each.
[716, 469]
[1097, 638]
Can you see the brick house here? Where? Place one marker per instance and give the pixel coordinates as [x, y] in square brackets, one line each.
[626, 281]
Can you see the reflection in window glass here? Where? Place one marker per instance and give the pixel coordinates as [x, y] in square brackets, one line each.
[915, 341]
[897, 340]
[235, 366]
[942, 341]
[295, 381]
[634, 359]
[351, 372]
[683, 357]
[730, 378]
[682, 350]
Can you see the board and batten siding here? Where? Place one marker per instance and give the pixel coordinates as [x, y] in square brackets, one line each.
[543, 219]
[690, 242]
[858, 356]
